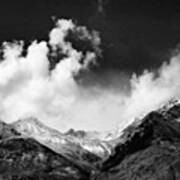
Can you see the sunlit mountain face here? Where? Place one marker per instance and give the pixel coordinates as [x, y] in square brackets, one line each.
[89, 90]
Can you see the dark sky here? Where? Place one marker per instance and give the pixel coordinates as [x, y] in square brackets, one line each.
[136, 34]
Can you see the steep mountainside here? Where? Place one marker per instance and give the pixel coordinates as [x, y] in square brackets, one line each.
[55, 140]
[26, 159]
[148, 149]
[23, 158]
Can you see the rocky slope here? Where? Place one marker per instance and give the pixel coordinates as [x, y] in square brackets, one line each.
[26, 159]
[56, 141]
[148, 149]
[73, 143]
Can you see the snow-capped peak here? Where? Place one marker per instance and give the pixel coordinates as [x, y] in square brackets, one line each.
[89, 141]
[36, 129]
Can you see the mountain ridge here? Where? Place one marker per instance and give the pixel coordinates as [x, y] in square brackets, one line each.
[144, 142]
[54, 140]
[148, 149]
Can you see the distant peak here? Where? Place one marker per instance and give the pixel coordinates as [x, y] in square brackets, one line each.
[29, 120]
[78, 133]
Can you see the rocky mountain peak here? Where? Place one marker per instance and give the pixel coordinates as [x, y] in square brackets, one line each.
[79, 133]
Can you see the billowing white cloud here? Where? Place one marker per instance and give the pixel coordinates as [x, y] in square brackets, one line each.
[29, 88]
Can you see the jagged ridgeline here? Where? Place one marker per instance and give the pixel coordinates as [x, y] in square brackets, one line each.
[148, 149]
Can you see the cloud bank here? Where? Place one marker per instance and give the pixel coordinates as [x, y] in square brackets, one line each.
[29, 88]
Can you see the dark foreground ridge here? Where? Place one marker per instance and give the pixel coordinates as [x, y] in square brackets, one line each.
[149, 149]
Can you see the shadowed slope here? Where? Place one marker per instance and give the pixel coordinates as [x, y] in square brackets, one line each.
[149, 149]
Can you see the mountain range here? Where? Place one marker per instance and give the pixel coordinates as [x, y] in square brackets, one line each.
[148, 149]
